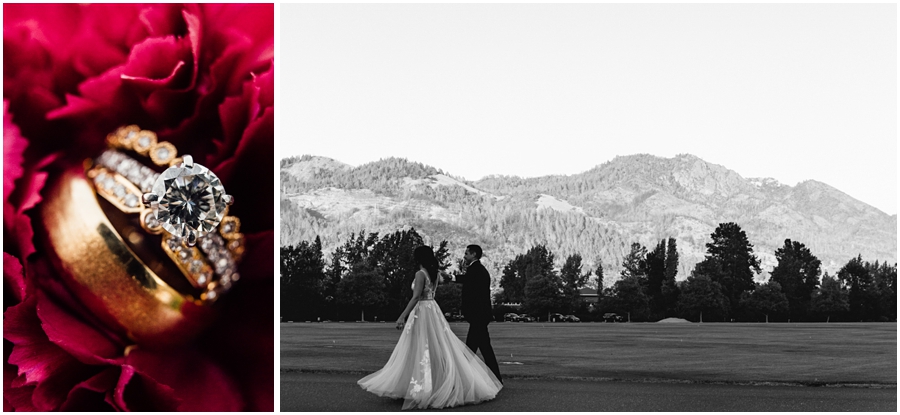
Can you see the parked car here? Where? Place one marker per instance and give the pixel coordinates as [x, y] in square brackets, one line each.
[571, 319]
[554, 317]
[527, 319]
[511, 317]
[612, 318]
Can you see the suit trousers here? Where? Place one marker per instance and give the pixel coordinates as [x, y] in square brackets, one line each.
[478, 338]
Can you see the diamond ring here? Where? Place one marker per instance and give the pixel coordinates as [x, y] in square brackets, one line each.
[188, 200]
[186, 204]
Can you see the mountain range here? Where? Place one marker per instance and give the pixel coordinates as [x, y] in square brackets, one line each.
[597, 214]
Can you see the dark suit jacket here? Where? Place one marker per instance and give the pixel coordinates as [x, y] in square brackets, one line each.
[476, 294]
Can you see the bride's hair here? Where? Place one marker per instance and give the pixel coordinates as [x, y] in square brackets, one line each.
[424, 256]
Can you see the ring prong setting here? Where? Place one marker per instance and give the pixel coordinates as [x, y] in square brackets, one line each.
[148, 198]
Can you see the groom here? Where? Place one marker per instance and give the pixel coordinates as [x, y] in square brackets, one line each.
[476, 307]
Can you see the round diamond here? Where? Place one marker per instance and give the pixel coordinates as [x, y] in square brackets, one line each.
[221, 266]
[162, 152]
[100, 180]
[190, 200]
[206, 244]
[151, 222]
[119, 191]
[131, 200]
[195, 267]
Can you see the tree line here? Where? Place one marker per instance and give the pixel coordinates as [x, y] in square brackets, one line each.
[370, 275]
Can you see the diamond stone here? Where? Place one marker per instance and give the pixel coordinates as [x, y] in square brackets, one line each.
[174, 243]
[221, 266]
[100, 180]
[195, 267]
[119, 191]
[206, 244]
[151, 222]
[162, 152]
[131, 200]
[190, 200]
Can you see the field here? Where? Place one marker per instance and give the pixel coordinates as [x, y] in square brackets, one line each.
[801, 353]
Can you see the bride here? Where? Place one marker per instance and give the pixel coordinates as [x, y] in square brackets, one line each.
[430, 367]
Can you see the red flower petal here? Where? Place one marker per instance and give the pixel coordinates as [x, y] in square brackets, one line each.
[14, 275]
[25, 196]
[156, 63]
[19, 397]
[19, 234]
[137, 392]
[76, 337]
[256, 20]
[13, 152]
[256, 149]
[49, 368]
[90, 395]
[199, 382]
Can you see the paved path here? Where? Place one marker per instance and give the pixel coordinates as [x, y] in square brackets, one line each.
[339, 392]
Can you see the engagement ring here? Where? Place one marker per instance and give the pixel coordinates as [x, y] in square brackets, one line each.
[186, 204]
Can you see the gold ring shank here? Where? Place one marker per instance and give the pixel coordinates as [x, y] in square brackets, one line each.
[106, 275]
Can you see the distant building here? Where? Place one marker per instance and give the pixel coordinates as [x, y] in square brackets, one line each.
[589, 295]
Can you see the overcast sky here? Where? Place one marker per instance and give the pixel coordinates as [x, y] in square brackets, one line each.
[792, 92]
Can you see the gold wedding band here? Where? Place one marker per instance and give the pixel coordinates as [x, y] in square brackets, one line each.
[130, 295]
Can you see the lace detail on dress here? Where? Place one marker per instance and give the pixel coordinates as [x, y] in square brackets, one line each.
[422, 387]
[428, 289]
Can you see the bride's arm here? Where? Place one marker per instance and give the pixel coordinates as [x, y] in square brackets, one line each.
[417, 292]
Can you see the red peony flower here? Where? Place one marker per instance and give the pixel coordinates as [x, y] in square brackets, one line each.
[201, 77]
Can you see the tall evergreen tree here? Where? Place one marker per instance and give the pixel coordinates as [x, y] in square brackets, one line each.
[862, 295]
[537, 261]
[599, 273]
[671, 260]
[730, 262]
[635, 264]
[885, 280]
[656, 275]
[669, 288]
[797, 272]
[302, 280]
[573, 281]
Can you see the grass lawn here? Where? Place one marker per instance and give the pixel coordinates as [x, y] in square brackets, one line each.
[711, 352]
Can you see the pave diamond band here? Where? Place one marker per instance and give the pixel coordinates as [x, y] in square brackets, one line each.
[186, 203]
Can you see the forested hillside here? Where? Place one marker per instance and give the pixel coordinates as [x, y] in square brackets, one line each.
[596, 214]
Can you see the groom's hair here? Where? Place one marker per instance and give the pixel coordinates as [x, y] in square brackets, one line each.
[475, 249]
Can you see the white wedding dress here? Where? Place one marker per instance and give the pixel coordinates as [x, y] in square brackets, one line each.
[431, 367]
